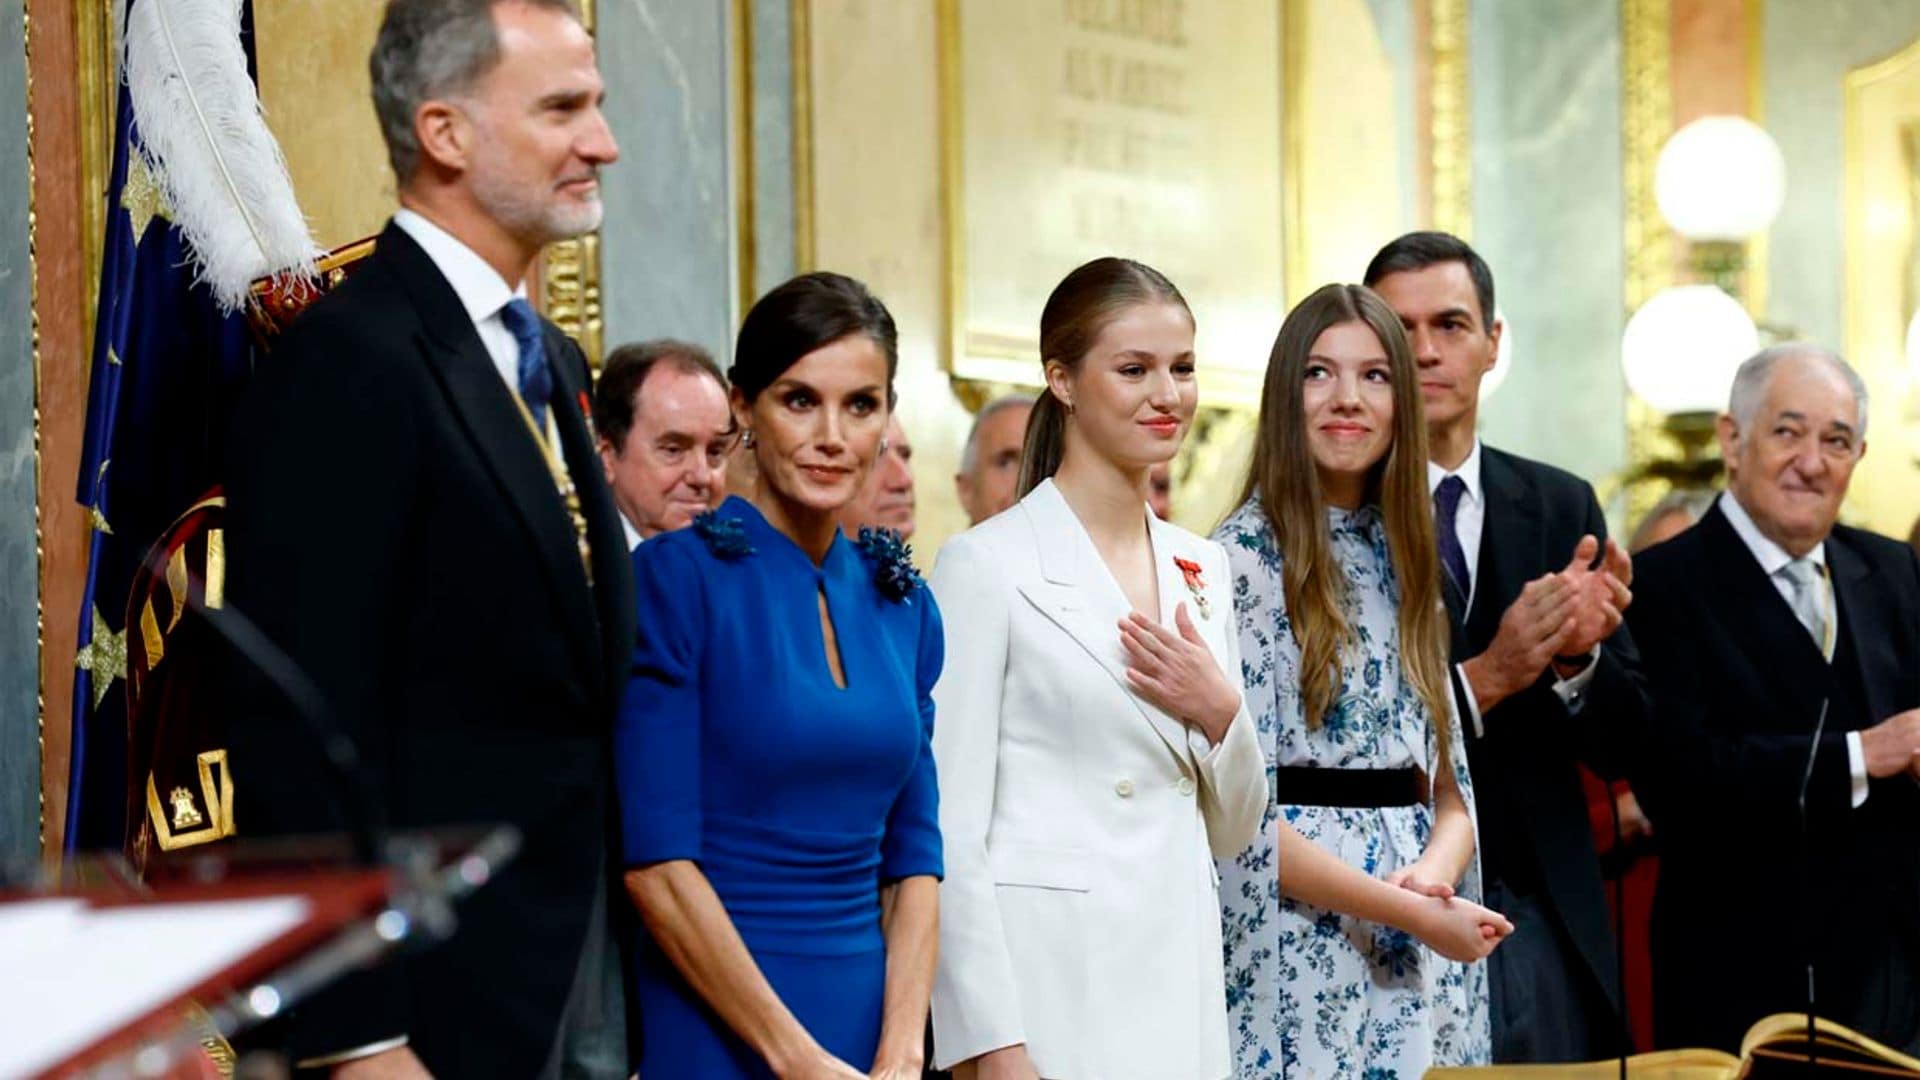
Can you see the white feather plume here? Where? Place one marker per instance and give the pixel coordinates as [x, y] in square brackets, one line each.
[207, 144]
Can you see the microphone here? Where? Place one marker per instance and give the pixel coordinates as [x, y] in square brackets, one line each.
[1806, 870]
[241, 634]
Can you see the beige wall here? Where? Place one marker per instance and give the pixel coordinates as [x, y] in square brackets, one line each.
[876, 215]
[312, 57]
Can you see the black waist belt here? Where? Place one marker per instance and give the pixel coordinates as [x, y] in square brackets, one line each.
[1297, 785]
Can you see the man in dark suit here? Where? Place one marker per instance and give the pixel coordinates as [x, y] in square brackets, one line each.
[1757, 623]
[418, 518]
[1546, 676]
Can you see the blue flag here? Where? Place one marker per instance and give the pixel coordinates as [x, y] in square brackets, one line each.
[168, 368]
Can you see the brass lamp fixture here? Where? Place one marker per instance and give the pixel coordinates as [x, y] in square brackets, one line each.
[1719, 181]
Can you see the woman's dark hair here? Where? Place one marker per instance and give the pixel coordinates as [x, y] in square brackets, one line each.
[1081, 306]
[804, 314]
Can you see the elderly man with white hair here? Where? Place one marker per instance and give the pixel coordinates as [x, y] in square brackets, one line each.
[1783, 653]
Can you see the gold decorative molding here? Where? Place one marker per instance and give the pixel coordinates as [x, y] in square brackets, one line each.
[740, 118]
[1646, 121]
[1452, 121]
[570, 292]
[39, 522]
[800, 39]
[952, 187]
[1759, 251]
[570, 275]
[96, 53]
[1294, 275]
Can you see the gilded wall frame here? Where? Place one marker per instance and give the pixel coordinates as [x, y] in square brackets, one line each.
[1882, 253]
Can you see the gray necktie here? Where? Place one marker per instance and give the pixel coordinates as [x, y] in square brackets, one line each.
[1807, 588]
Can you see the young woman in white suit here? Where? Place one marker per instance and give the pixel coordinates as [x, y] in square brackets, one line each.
[1093, 747]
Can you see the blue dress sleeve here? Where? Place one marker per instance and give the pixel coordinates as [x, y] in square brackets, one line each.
[656, 736]
[911, 846]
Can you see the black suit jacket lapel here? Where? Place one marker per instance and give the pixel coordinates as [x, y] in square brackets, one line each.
[482, 403]
[613, 591]
[1753, 620]
[1853, 596]
[1510, 536]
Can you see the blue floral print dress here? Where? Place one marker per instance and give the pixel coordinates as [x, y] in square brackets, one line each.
[1313, 994]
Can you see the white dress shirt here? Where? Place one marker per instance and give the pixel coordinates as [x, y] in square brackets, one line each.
[1772, 557]
[1469, 525]
[633, 534]
[479, 286]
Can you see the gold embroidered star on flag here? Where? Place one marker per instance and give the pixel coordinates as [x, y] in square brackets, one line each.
[105, 657]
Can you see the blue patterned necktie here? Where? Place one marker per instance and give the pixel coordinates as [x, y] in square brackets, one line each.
[1446, 506]
[536, 378]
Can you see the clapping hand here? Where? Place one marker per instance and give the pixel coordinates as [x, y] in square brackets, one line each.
[1601, 593]
[1177, 673]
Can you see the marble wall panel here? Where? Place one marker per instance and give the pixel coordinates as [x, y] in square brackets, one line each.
[1547, 211]
[19, 560]
[668, 240]
[774, 250]
[1810, 45]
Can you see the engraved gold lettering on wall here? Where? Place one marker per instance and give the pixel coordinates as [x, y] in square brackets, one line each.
[1143, 128]
[1126, 131]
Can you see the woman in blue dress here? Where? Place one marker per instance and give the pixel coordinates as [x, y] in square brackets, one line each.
[1349, 953]
[776, 780]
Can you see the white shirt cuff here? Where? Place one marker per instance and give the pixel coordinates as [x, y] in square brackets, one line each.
[1473, 707]
[1857, 765]
[1572, 691]
[341, 1057]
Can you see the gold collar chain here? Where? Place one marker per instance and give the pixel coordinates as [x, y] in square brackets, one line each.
[562, 480]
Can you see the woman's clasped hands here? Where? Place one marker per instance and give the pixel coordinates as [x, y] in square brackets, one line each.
[1453, 926]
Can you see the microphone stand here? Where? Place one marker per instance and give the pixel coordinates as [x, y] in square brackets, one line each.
[1620, 929]
[1806, 875]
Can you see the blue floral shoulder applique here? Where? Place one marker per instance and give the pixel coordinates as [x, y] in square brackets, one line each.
[724, 536]
[892, 562]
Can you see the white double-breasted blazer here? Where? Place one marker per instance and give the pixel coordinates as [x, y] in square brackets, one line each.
[1080, 912]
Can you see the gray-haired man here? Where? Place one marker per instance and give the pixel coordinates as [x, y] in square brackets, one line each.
[418, 518]
[1782, 650]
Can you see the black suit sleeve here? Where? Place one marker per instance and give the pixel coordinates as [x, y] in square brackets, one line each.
[319, 490]
[1613, 718]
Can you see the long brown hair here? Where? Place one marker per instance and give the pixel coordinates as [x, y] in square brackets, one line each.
[1081, 306]
[1284, 479]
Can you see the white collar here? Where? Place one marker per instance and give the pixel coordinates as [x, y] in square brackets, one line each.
[1468, 472]
[1770, 555]
[633, 535]
[481, 289]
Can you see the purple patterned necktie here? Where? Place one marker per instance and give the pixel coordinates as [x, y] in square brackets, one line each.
[1446, 504]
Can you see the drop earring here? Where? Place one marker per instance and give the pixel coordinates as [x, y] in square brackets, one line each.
[746, 438]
